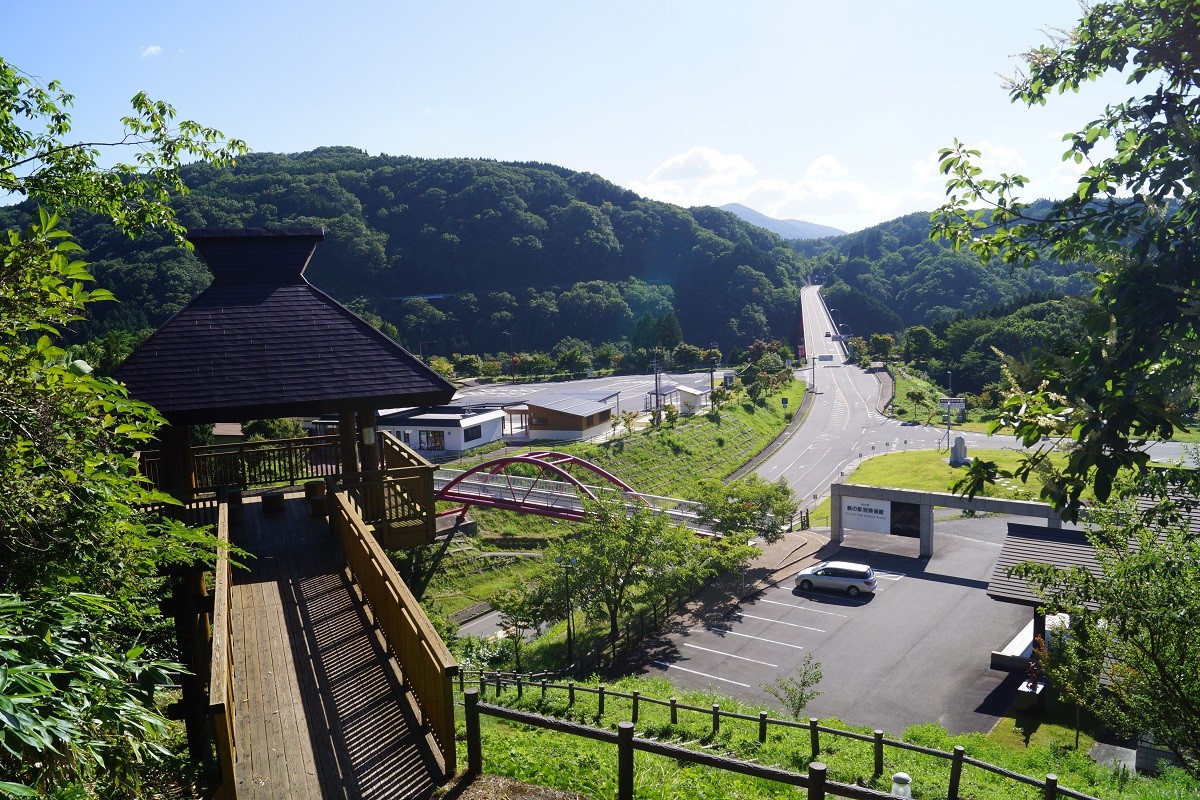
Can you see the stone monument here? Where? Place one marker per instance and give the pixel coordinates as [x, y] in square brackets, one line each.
[958, 453]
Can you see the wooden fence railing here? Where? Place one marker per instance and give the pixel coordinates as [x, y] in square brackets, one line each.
[815, 781]
[253, 464]
[221, 696]
[427, 667]
[957, 758]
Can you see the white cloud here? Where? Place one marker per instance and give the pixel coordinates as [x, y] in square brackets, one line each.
[151, 50]
[827, 194]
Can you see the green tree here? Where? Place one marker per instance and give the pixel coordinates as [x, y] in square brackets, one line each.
[1135, 217]
[796, 691]
[621, 553]
[1131, 652]
[747, 508]
[72, 505]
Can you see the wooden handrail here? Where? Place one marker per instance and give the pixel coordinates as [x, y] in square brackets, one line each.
[221, 695]
[427, 667]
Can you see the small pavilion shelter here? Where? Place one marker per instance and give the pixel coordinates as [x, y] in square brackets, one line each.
[261, 342]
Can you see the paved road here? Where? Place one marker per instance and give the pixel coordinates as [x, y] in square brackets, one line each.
[917, 651]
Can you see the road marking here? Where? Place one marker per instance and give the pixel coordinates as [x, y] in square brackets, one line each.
[729, 655]
[730, 632]
[888, 575]
[804, 608]
[665, 665]
[779, 622]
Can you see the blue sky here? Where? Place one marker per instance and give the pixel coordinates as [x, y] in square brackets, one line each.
[830, 112]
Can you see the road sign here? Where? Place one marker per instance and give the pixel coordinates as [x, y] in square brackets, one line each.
[824, 357]
[952, 402]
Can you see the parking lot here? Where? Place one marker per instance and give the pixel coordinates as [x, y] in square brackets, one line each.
[915, 651]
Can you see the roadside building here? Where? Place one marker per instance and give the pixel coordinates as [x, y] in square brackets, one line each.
[551, 415]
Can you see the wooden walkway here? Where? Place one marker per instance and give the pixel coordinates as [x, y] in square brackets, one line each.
[321, 712]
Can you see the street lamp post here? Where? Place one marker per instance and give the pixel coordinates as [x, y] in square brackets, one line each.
[567, 564]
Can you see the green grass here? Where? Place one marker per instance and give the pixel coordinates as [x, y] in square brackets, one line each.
[573, 764]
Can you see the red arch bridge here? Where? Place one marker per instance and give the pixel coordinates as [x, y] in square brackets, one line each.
[550, 484]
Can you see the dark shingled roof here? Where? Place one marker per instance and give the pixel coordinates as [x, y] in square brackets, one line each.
[1058, 547]
[261, 342]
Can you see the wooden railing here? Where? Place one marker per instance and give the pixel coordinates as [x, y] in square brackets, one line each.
[251, 464]
[426, 664]
[957, 758]
[221, 696]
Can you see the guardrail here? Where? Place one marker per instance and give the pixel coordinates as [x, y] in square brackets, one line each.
[957, 758]
[427, 667]
[221, 696]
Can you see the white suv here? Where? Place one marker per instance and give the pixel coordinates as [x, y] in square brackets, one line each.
[845, 575]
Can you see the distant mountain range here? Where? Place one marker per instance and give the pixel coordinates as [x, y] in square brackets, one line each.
[787, 228]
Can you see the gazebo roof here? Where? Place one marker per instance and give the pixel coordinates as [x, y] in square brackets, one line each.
[1059, 547]
[261, 342]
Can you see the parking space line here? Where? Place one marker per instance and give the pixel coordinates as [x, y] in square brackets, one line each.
[803, 608]
[779, 622]
[729, 632]
[888, 575]
[665, 665]
[729, 655]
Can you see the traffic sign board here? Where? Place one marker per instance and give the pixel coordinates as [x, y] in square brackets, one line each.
[824, 357]
[952, 402]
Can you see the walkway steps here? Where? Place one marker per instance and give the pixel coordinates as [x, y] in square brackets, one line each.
[321, 712]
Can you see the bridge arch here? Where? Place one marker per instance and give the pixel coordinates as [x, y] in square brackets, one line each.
[492, 485]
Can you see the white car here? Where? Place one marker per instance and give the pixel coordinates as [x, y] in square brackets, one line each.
[851, 578]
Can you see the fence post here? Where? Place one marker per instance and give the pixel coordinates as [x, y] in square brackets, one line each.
[674, 712]
[634, 715]
[815, 736]
[474, 744]
[570, 693]
[291, 463]
[600, 702]
[816, 780]
[498, 684]
[624, 761]
[878, 752]
[1051, 786]
[520, 688]
[716, 719]
[543, 688]
[956, 764]
[461, 679]
[762, 727]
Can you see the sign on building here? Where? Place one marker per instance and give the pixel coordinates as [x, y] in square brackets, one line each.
[874, 516]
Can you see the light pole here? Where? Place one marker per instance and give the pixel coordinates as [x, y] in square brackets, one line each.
[949, 384]
[512, 367]
[567, 564]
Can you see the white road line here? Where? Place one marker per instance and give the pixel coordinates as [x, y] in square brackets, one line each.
[729, 655]
[780, 622]
[889, 576]
[729, 632]
[665, 665]
[803, 608]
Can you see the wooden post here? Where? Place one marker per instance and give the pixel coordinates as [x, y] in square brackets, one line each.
[600, 703]
[816, 780]
[716, 728]
[625, 761]
[520, 688]
[762, 727]
[370, 445]
[474, 742]
[634, 713]
[956, 765]
[543, 688]
[878, 752]
[348, 442]
[674, 712]
[814, 736]
[1051, 786]
[570, 693]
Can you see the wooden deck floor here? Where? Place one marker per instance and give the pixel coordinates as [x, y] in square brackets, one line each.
[321, 713]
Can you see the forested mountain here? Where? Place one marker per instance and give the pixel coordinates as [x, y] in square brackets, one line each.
[891, 276]
[476, 256]
[465, 255]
